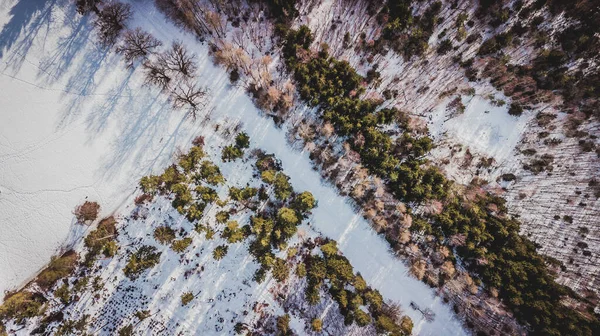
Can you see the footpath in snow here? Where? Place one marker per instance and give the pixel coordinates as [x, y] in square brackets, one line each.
[76, 124]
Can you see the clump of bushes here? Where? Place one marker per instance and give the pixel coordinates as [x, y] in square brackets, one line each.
[102, 239]
[231, 152]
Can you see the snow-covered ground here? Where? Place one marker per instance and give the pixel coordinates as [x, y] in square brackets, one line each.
[75, 124]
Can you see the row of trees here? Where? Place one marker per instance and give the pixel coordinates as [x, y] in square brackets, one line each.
[335, 87]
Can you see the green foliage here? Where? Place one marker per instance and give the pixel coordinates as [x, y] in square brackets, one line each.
[164, 235]
[63, 294]
[301, 270]
[126, 330]
[242, 140]
[231, 153]
[242, 195]
[102, 239]
[283, 325]
[233, 233]
[72, 327]
[316, 324]
[361, 318]
[186, 298]
[280, 270]
[283, 189]
[359, 283]
[374, 299]
[181, 245]
[304, 202]
[150, 184]
[209, 173]
[268, 176]
[189, 162]
[220, 252]
[21, 305]
[222, 216]
[330, 249]
[59, 268]
[145, 257]
[335, 86]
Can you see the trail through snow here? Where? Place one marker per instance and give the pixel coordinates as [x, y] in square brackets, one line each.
[76, 124]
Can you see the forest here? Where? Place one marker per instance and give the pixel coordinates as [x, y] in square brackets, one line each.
[491, 247]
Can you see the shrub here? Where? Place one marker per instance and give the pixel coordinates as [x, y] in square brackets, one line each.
[21, 305]
[210, 173]
[316, 324]
[126, 330]
[102, 239]
[87, 211]
[220, 252]
[283, 189]
[280, 270]
[304, 202]
[145, 257]
[231, 153]
[233, 233]
[181, 244]
[242, 141]
[58, 268]
[515, 109]
[63, 294]
[186, 298]
[164, 235]
[283, 324]
[362, 318]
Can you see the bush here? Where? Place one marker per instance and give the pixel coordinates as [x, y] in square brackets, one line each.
[145, 257]
[515, 109]
[233, 233]
[186, 298]
[280, 270]
[164, 235]
[58, 268]
[220, 252]
[181, 244]
[88, 211]
[21, 305]
[102, 239]
[316, 324]
[283, 324]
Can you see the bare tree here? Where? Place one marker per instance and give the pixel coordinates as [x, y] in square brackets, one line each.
[111, 21]
[189, 95]
[157, 73]
[86, 6]
[180, 60]
[137, 45]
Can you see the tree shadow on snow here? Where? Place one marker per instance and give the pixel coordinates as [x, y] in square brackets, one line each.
[27, 17]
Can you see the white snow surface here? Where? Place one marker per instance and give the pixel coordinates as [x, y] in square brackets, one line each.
[483, 127]
[75, 124]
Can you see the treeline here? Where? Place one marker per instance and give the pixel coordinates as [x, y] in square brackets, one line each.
[488, 239]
